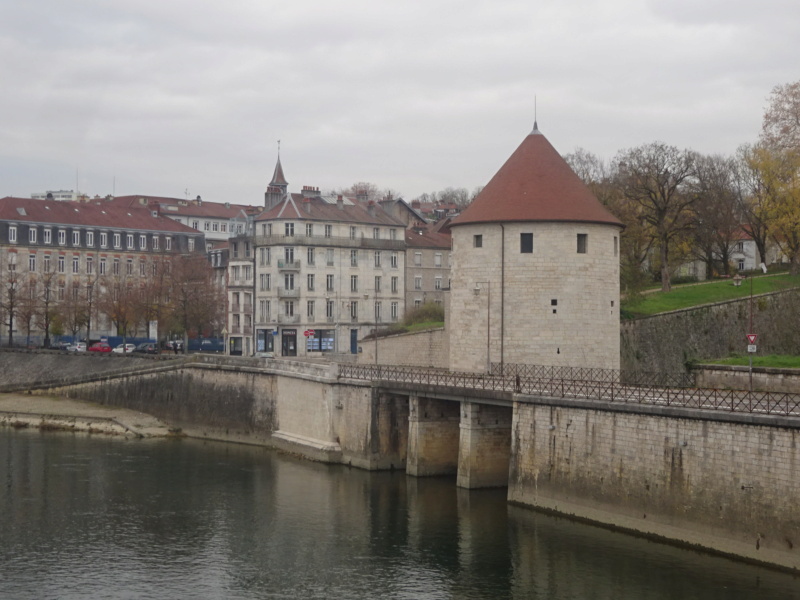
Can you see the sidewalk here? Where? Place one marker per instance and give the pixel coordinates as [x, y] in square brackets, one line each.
[50, 412]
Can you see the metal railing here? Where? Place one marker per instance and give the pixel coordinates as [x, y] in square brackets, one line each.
[738, 401]
[646, 378]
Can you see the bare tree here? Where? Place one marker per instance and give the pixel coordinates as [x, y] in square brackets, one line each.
[46, 309]
[717, 222]
[780, 128]
[9, 298]
[657, 177]
[196, 302]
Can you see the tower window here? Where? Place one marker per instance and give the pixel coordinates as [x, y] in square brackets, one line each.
[526, 243]
[583, 240]
[477, 241]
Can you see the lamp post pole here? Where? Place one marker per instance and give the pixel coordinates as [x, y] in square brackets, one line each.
[479, 285]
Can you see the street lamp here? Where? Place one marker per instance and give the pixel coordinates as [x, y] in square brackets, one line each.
[487, 285]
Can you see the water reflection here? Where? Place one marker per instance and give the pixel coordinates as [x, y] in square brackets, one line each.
[88, 517]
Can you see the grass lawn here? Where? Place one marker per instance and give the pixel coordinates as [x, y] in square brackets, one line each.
[707, 293]
[778, 361]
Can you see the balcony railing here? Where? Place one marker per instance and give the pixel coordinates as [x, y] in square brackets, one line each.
[246, 309]
[320, 240]
[288, 319]
[289, 265]
[288, 293]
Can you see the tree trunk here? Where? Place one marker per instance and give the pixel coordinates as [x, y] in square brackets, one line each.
[666, 284]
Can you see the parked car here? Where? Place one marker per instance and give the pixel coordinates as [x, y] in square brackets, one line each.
[124, 349]
[77, 347]
[100, 347]
[147, 348]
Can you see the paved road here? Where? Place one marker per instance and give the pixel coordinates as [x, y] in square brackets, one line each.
[20, 409]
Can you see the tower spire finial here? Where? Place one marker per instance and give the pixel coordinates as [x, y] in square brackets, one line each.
[535, 119]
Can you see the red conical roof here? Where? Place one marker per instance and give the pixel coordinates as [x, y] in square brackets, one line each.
[535, 184]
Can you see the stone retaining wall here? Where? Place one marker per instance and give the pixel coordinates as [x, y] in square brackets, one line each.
[670, 342]
[426, 348]
[724, 482]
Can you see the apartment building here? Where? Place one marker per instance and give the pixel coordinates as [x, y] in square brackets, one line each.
[70, 251]
[326, 271]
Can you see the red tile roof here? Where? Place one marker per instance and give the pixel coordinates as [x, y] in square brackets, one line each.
[97, 213]
[428, 238]
[187, 208]
[535, 184]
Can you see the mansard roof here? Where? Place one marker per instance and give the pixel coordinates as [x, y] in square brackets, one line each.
[325, 208]
[535, 184]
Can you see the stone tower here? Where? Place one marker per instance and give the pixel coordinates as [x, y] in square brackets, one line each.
[535, 274]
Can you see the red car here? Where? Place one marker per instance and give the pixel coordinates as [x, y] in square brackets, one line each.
[100, 347]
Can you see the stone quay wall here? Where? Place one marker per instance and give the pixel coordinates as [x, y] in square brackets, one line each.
[724, 482]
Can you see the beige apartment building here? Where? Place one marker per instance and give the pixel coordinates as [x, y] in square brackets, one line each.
[326, 271]
[428, 258]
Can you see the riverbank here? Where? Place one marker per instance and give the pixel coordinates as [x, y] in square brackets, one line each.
[64, 414]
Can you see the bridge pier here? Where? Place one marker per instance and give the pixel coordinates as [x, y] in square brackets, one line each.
[484, 445]
[433, 437]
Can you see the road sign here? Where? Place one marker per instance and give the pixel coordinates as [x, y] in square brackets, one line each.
[751, 348]
[751, 338]
[308, 333]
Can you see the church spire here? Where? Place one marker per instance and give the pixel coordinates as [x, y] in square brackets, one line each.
[278, 179]
[278, 187]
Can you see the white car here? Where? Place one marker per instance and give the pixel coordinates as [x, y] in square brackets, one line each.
[77, 347]
[124, 349]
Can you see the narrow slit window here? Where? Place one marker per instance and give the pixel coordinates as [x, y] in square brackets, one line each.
[477, 241]
[526, 243]
[583, 242]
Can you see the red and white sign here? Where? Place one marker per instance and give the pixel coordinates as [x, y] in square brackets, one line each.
[308, 333]
[751, 338]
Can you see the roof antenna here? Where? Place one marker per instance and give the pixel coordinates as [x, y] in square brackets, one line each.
[535, 124]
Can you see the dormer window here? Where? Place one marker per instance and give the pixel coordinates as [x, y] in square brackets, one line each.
[47, 236]
[76, 238]
[62, 237]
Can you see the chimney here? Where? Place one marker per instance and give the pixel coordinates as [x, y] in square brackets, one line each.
[361, 195]
[310, 191]
[415, 204]
[340, 202]
[371, 208]
[307, 204]
[199, 201]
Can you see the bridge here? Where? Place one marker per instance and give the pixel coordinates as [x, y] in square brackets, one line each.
[650, 454]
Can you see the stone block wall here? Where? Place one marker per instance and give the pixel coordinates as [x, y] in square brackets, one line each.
[738, 378]
[418, 349]
[730, 485]
[671, 341]
[559, 307]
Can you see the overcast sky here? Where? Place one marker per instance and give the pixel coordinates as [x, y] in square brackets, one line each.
[168, 97]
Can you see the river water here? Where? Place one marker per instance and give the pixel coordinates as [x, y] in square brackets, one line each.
[103, 517]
